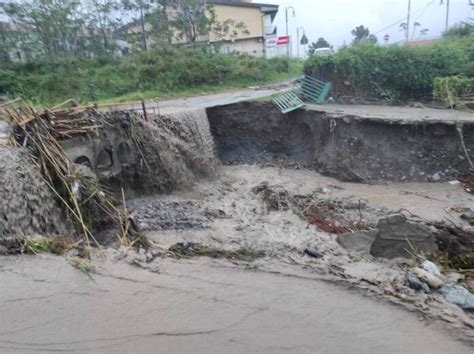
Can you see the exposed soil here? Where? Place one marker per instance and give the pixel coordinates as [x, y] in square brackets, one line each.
[350, 148]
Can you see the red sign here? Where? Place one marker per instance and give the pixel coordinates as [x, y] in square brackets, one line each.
[386, 38]
[282, 41]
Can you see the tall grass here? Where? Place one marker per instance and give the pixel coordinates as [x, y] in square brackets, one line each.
[162, 72]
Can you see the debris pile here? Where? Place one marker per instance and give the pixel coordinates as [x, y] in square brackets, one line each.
[428, 278]
[332, 216]
[85, 201]
[468, 183]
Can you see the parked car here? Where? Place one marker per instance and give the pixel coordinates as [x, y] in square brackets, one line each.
[323, 52]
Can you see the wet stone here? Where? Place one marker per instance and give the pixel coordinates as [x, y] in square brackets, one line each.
[398, 237]
[358, 241]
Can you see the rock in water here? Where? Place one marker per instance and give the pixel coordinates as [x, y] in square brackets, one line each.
[433, 281]
[458, 295]
[417, 284]
[359, 241]
[397, 237]
[431, 268]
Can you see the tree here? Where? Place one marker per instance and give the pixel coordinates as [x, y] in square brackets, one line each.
[424, 32]
[320, 43]
[462, 29]
[362, 35]
[46, 27]
[103, 22]
[415, 26]
[194, 19]
[142, 8]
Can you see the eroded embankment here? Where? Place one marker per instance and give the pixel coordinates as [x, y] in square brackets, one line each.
[346, 147]
[127, 152]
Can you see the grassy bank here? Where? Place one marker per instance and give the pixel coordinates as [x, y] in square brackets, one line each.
[163, 73]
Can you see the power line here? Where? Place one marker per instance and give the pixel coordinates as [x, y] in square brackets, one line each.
[422, 10]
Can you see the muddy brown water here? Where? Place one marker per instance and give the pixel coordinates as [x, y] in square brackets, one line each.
[208, 306]
[196, 307]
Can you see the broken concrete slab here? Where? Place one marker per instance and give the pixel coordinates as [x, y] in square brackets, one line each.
[398, 237]
[360, 241]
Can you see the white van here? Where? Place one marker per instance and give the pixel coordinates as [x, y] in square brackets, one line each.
[323, 52]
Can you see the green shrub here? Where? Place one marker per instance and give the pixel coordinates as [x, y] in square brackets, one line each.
[391, 72]
[165, 70]
[453, 90]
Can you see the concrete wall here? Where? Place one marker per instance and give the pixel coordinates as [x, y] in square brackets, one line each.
[251, 17]
[251, 46]
[249, 40]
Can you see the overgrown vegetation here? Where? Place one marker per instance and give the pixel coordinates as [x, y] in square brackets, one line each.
[54, 245]
[152, 73]
[393, 72]
[454, 91]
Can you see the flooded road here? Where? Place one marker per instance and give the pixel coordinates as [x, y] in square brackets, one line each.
[197, 306]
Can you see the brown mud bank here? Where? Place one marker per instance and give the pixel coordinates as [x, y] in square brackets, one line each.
[119, 151]
[350, 148]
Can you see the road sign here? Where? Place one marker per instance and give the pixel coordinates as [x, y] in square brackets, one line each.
[304, 40]
[386, 38]
[283, 41]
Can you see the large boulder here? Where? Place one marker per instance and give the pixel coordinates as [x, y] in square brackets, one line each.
[398, 237]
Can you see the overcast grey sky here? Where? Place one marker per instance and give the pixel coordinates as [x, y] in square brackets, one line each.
[334, 19]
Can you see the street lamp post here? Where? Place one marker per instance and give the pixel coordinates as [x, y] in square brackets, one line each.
[287, 32]
[447, 15]
[298, 40]
[408, 21]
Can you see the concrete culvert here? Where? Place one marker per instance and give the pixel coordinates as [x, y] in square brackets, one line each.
[104, 160]
[83, 160]
[125, 154]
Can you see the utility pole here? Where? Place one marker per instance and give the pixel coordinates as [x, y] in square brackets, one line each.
[447, 14]
[408, 21]
[142, 24]
[288, 33]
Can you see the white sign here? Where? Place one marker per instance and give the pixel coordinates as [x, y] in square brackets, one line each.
[272, 41]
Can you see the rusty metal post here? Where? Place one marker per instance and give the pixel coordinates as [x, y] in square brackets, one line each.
[144, 110]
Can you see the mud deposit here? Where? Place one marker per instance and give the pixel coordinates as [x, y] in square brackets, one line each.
[27, 205]
[267, 199]
[343, 146]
